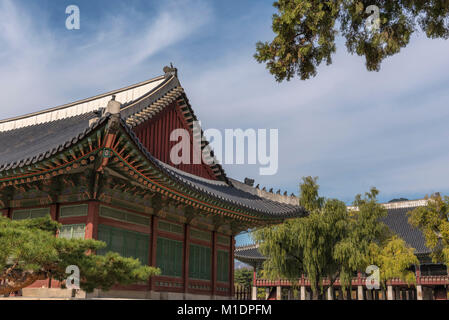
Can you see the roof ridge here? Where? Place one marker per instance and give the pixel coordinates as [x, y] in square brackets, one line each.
[399, 204]
[79, 107]
[277, 197]
[247, 246]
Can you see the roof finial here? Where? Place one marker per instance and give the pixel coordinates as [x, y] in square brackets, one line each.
[170, 71]
[249, 182]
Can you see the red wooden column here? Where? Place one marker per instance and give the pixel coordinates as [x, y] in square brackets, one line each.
[54, 211]
[92, 220]
[419, 291]
[231, 258]
[418, 274]
[54, 214]
[186, 257]
[214, 262]
[153, 246]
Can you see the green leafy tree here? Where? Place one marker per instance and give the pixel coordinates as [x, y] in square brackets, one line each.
[433, 220]
[29, 251]
[243, 277]
[305, 32]
[394, 259]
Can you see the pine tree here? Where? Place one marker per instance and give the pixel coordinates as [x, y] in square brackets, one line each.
[29, 251]
[306, 30]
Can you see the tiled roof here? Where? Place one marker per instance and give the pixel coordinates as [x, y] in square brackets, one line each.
[140, 102]
[228, 193]
[31, 144]
[248, 253]
[397, 221]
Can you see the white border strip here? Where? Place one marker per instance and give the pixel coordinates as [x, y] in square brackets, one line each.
[84, 106]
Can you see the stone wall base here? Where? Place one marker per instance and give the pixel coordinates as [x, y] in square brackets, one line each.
[55, 293]
[51, 293]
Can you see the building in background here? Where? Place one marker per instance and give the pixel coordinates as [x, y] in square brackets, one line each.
[432, 279]
[101, 167]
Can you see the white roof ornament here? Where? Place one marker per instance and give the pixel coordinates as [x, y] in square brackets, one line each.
[113, 106]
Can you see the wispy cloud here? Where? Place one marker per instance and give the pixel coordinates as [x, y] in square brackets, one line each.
[52, 67]
[352, 128]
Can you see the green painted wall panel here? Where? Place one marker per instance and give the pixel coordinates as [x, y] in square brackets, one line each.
[222, 266]
[126, 243]
[169, 257]
[200, 261]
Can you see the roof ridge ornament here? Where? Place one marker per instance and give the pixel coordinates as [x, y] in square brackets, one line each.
[170, 71]
[113, 106]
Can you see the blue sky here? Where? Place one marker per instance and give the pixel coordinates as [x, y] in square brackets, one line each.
[352, 128]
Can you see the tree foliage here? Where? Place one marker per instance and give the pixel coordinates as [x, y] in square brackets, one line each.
[306, 245]
[305, 32]
[29, 251]
[333, 242]
[394, 259]
[433, 220]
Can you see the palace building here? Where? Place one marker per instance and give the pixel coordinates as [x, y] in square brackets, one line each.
[432, 279]
[101, 167]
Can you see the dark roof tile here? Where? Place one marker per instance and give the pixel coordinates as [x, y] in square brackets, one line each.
[31, 144]
[397, 221]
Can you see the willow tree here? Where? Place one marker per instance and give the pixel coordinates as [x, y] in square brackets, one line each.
[305, 31]
[364, 230]
[332, 242]
[433, 220]
[306, 245]
[29, 251]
